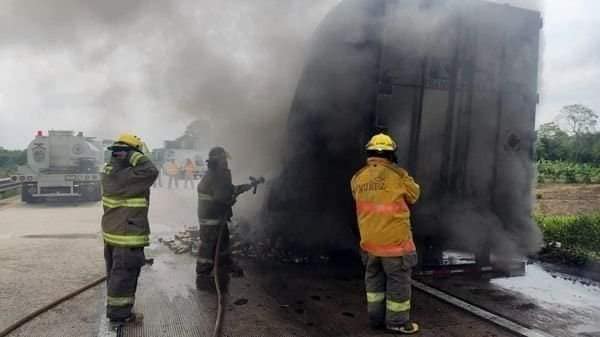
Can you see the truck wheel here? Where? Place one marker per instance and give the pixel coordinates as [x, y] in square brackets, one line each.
[97, 194]
[26, 194]
[25, 197]
[91, 193]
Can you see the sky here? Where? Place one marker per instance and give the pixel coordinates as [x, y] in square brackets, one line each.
[128, 66]
[570, 56]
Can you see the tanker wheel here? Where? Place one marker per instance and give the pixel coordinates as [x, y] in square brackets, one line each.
[91, 193]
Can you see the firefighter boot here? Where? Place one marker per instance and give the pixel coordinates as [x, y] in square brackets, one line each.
[133, 319]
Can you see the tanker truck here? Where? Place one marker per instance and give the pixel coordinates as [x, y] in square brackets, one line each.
[61, 166]
[455, 83]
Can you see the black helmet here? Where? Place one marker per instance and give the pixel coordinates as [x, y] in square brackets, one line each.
[218, 152]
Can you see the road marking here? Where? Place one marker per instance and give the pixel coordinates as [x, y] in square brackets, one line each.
[104, 329]
[479, 312]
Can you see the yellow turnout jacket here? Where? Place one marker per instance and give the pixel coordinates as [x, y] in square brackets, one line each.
[382, 191]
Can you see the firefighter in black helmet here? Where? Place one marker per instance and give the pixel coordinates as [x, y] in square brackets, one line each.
[216, 196]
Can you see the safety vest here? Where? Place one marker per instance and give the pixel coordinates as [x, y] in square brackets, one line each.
[126, 191]
[172, 169]
[382, 192]
[189, 169]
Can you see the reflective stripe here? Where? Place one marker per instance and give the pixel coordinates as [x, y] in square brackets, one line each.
[375, 297]
[398, 306]
[211, 222]
[135, 158]
[107, 169]
[400, 249]
[202, 196]
[126, 240]
[112, 202]
[398, 207]
[119, 301]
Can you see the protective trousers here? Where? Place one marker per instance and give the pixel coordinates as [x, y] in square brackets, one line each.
[209, 234]
[123, 267]
[188, 180]
[173, 180]
[388, 287]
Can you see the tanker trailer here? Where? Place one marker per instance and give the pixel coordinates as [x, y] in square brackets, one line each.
[455, 83]
[62, 166]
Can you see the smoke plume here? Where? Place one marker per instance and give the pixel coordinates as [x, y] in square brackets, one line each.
[148, 66]
[141, 65]
[466, 133]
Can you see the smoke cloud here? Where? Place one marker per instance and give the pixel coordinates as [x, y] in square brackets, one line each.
[150, 66]
[466, 134]
[140, 65]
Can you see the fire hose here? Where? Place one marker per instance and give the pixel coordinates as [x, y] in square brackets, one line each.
[40, 311]
[220, 311]
[254, 182]
[220, 308]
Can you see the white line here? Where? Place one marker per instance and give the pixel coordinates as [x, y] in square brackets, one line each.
[104, 329]
[479, 312]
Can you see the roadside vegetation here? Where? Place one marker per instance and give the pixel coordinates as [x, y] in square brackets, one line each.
[567, 172]
[9, 160]
[568, 152]
[568, 149]
[571, 239]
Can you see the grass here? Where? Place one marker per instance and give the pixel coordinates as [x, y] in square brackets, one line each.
[571, 239]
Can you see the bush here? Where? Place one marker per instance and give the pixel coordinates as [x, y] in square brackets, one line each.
[572, 231]
[574, 257]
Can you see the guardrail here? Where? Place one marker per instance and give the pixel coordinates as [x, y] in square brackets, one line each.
[8, 184]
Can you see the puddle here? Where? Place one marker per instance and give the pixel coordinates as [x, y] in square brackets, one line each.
[554, 291]
[175, 274]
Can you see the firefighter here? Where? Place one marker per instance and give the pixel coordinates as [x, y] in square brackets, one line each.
[126, 183]
[216, 196]
[382, 192]
[172, 170]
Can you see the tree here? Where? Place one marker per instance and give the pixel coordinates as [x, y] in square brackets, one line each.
[552, 142]
[197, 135]
[197, 128]
[578, 119]
[10, 159]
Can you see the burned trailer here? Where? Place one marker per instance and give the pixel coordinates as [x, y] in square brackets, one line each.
[455, 83]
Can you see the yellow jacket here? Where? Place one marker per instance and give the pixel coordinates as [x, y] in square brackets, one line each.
[381, 191]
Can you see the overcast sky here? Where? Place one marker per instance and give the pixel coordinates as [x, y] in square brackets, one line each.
[62, 73]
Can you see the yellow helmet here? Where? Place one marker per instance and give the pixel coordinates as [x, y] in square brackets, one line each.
[381, 142]
[131, 140]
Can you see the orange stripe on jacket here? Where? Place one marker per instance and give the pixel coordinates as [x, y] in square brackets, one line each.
[400, 249]
[381, 208]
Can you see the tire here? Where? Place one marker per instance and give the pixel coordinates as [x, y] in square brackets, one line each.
[26, 196]
[91, 193]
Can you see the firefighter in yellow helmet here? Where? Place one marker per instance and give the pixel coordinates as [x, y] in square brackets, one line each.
[126, 183]
[382, 192]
